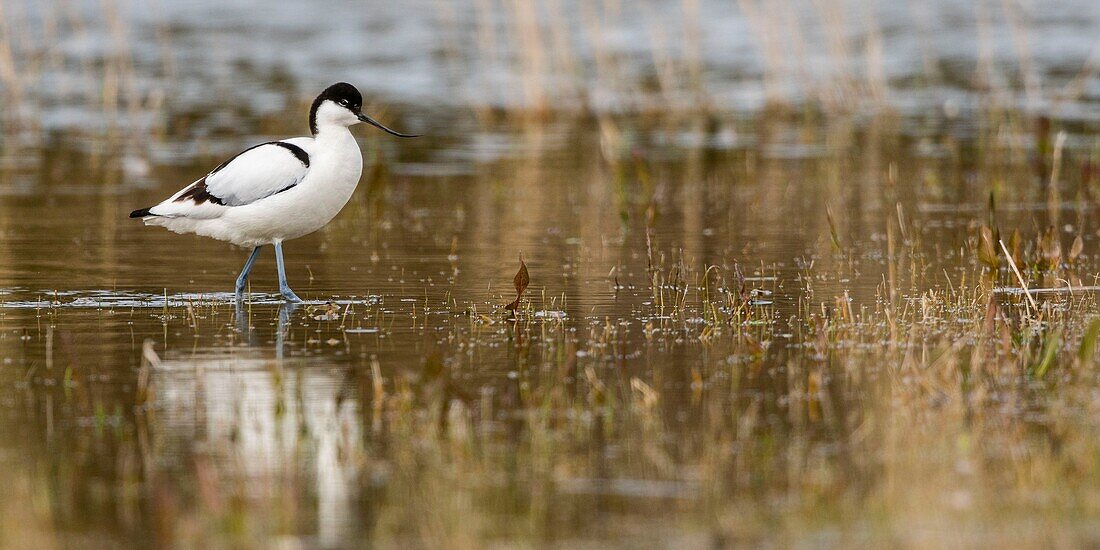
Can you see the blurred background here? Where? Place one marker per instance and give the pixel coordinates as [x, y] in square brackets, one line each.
[766, 303]
[207, 67]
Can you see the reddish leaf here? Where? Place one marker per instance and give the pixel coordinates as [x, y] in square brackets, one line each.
[521, 281]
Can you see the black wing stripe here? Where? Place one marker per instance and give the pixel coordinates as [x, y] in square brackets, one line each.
[298, 152]
[200, 194]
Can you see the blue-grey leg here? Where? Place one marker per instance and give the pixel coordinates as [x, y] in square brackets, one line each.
[242, 279]
[284, 288]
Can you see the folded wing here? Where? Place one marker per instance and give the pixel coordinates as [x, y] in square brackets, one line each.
[253, 175]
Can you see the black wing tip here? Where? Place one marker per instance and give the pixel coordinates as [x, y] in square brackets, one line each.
[141, 213]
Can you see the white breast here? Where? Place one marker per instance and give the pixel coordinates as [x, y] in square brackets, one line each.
[336, 164]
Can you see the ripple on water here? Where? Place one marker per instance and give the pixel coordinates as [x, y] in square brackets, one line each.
[13, 298]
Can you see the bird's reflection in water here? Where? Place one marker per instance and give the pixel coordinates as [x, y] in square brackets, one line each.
[265, 418]
[254, 338]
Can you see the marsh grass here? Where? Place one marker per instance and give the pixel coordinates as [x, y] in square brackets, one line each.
[971, 379]
[823, 323]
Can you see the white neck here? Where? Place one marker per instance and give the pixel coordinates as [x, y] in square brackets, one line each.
[337, 164]
[329, 132]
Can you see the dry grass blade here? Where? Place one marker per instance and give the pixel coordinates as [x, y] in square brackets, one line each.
[521, 281]
[987, 252]
[1023, 284]
[833, 234]
[1075, 250]
[149, 360]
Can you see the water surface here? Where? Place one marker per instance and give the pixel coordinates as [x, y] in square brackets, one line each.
[755, 323]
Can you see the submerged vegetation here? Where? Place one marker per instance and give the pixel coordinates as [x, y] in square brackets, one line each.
[840, 313]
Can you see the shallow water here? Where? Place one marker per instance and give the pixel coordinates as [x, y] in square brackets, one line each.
[748, 325]
[403, 405]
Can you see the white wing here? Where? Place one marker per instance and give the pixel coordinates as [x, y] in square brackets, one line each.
[252, 175]
[257, 173]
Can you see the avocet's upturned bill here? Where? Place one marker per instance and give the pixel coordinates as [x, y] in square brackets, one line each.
[276, 191]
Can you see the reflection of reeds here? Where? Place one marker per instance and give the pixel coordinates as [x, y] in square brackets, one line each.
[538, 60]
[109, 87]
[10, 73]
[562, 63]
[542, 48]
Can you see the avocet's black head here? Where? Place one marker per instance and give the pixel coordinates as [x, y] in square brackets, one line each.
[342, 105]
